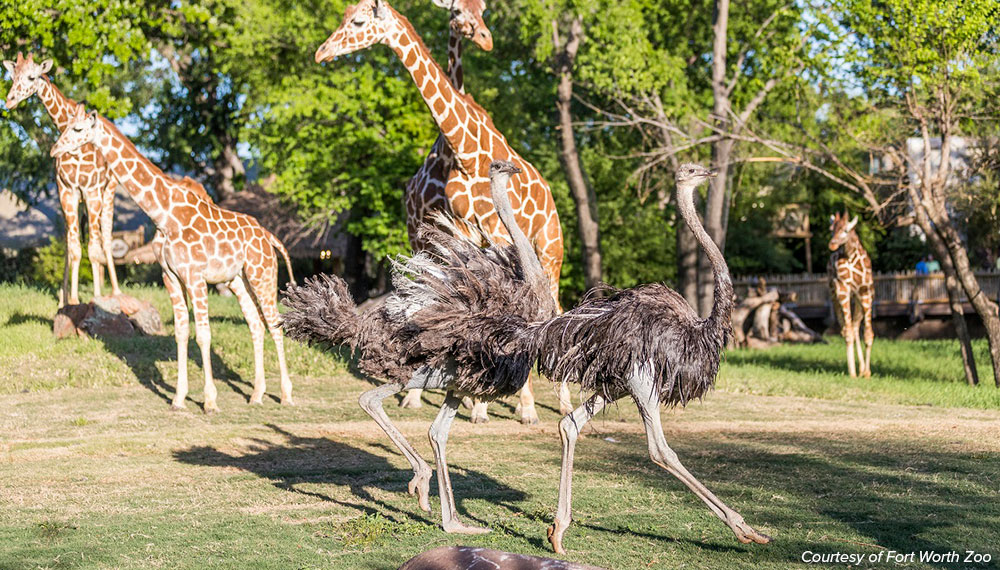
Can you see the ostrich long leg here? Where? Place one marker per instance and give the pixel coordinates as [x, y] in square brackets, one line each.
[569, 431]
[647, 399]
[439, 437]
[371, 402]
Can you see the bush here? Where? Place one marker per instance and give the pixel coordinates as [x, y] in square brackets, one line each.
[16, 265]
[50, 263]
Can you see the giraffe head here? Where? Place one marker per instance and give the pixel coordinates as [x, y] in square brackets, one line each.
[840, 230]
[83, 129]
[467, 20]
[27, 77]
[366, 23]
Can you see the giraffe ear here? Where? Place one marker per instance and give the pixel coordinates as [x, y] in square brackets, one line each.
[851, 224]
[446, 4]
[9, 65]
[92, 117]
[46, 65]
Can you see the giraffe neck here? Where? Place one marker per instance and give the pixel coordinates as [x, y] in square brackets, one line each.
[853, 248]
[144, 181]
[59, 106]
[455, 72]
[446, 103]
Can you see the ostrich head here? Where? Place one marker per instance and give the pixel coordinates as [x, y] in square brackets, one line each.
[365, 24]
[502, 170]
[467, 20]
[688, 177]
[27, 77]
[83, 129]
[840, 230]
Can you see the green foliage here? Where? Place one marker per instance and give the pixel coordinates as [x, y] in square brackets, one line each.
[50, 261]
[368, 530]
[899, 251]
[15, 267]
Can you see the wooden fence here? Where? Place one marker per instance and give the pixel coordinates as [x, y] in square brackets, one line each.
[896, 294]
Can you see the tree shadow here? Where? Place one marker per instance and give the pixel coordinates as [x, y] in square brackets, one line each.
[298, 461]
[25, 318]
[904, 499]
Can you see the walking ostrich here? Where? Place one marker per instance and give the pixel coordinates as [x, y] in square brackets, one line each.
[649, 344]
[457, 322]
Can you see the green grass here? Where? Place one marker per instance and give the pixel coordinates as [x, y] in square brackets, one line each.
[95, 472]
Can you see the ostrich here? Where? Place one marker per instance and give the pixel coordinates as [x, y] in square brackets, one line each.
[649, 344]
[458, 322]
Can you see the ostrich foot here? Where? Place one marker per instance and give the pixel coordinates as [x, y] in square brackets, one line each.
[420, 486]
[746, 534]
[479, 415]
[555, 537]
[458, 527]
[411, 400]
[529, 416]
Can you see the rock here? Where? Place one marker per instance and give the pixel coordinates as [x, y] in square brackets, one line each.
[103, 322]
[469, 558]
[147, 320]
[121, 315]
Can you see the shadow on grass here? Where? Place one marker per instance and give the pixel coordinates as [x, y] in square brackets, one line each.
[23, 318]
[301, 461]
[821, 495]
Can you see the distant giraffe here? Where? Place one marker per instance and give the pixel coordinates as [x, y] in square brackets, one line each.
[81, 172]
[474, 142]
[851, 279]
[196, 243]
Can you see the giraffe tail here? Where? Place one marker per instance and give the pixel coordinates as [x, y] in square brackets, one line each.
[276, 243]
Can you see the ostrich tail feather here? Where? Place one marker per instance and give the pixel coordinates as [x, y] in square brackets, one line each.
[322, 312]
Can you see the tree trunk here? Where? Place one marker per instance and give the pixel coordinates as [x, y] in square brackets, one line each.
[721, 154]
[228, 168]
[580, 189]
[951, 285]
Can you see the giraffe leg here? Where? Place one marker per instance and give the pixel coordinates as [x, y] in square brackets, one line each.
[847, 329]
[412, 399]
[107, 225]
[371, 402]
[529, 416]
[95, 247]
[866, 306]
[439, 437]
[479, 414]
[565, 399]
[198, 290]
[69, 199]
[569, 432]
[646, 396]
[181, 333]
[263, 280]
[252, 315]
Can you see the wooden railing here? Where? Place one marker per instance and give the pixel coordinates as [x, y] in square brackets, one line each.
[896, 294]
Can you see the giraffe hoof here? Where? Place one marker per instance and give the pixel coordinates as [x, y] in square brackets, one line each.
[176, 408]
[256, 401]
[287, 402]
[211, 409]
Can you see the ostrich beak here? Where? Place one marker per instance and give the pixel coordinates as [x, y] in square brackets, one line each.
[713, 172]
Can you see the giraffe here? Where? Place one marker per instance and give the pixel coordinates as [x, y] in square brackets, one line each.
[81, 172]
[196, 243]
[851, 279]
[473, 141]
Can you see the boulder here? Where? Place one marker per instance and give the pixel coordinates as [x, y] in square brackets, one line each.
[117, 316]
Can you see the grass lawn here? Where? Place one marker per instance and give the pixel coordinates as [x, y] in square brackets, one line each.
[95, 472]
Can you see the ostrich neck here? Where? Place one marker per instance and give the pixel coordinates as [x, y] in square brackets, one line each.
[60, 107]
[722, 307]
[127, 162]
[532, 268]
[441, 97]
[455, 72]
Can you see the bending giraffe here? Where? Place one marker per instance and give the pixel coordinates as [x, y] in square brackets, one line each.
[81, 172]
[851, 279]
[197, 243]
[473, 140]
